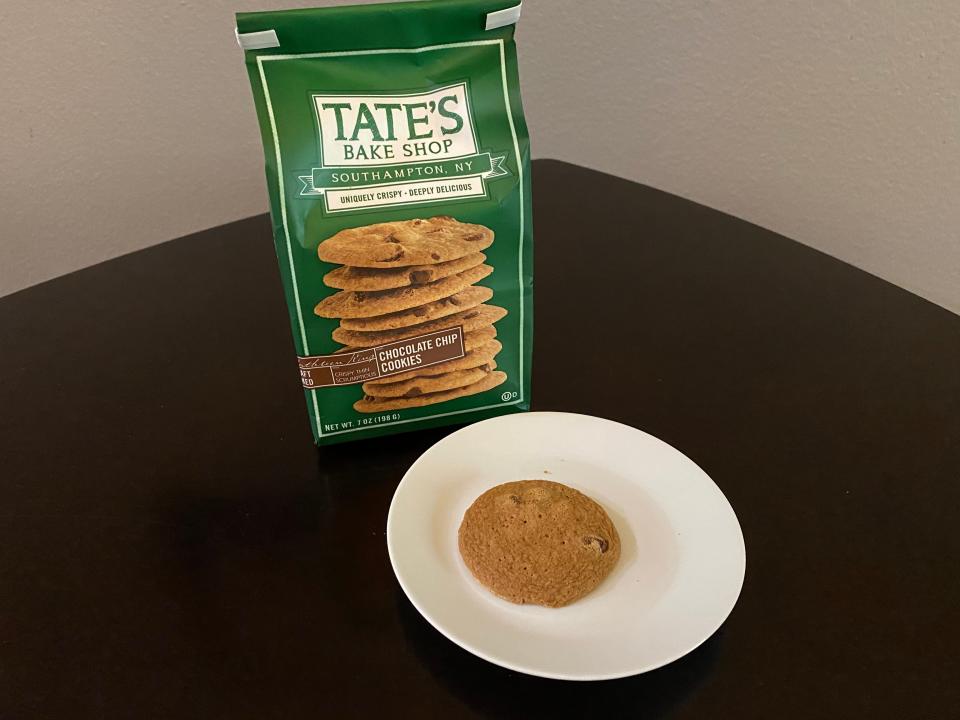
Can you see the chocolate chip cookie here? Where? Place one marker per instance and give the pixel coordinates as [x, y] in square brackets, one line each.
[360, 278]
[406, 242]
[369, 404]
[538, 542]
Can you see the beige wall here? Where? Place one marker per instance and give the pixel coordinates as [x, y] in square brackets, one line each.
[836, 123]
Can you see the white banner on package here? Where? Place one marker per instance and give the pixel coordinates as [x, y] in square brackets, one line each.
[404, 193]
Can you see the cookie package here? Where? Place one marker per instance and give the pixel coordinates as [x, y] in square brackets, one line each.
[398, 172]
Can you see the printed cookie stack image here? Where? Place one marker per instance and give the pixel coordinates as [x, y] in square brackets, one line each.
[408, 278]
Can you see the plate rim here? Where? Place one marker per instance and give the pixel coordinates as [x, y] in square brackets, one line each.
[539, 673]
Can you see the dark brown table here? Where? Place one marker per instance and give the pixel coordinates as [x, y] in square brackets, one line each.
[173, 546]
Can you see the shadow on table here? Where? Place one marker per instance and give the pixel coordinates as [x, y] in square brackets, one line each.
[391, 454]
[500, 693]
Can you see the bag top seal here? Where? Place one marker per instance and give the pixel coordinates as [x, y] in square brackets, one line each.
[502, 18]
[392, 25]
[257, 40]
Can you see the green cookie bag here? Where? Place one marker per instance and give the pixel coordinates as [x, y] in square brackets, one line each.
[398, 171]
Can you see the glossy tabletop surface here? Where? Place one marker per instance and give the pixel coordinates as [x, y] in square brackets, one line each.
[173, 546]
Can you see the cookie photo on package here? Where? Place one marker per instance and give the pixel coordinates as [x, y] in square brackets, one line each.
[398, 172]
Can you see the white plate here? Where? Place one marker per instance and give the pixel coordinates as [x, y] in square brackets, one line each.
[681, 566]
